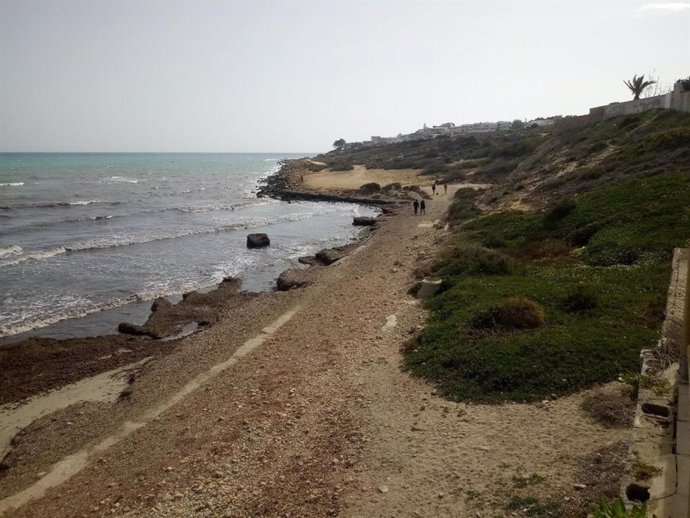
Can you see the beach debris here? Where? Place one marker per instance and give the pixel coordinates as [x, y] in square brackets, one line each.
[258, 240]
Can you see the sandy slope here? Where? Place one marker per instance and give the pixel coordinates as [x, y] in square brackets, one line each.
[314, 418]
[354, 179]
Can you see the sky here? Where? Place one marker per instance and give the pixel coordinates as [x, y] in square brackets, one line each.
[295, 75]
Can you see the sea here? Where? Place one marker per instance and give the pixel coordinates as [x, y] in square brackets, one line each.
[88, 240]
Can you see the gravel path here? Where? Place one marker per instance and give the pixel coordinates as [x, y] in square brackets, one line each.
[316, 418]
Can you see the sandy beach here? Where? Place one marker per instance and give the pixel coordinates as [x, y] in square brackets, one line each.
[294, 404]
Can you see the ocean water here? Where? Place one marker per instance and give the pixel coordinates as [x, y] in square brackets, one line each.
[88, 240]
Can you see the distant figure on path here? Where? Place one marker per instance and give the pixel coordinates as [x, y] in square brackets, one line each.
[422, 207]
[445, 187]
[415, 206]
[433, 188]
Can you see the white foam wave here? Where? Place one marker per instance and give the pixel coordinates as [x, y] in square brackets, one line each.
[77, 307]
[80, 203]
[123, 179]
[12, 184]
[23, 257]
[74, 309]
[10, 250]
[120, 241]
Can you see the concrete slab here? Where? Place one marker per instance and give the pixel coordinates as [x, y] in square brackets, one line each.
[684, 402]
[683, 438]
[681, 507]
[664, 484]
[663, 508]
[683, 474]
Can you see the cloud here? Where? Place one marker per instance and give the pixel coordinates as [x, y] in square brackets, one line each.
[673, 7]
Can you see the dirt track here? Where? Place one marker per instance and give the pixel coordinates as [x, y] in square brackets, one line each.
[314, 418]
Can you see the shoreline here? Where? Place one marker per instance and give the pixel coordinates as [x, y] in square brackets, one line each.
[143, 314]
[38, 364]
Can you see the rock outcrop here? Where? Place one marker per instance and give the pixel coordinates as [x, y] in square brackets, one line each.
[292, 278]
[328, 256]
[363, 221]
[258, 240]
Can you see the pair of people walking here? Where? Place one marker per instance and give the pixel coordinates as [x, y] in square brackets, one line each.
[433, 188]
[419, 206]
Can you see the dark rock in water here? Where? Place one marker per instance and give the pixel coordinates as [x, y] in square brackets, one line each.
[363, 221]
[160, 302]
[257, 240]
[131, 329]
[289, 279]
[329, 255]
[309, 259]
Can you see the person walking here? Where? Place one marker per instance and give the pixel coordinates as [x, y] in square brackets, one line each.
[433, 188]
[445, 187]
[422, 207]
[415, 206]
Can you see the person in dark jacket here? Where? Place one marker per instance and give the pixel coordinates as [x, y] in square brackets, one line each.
[422, 207]
[415, 206]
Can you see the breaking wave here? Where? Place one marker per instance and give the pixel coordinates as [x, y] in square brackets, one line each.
[117, 241]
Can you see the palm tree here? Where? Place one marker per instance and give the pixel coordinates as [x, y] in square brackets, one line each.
[637, 85]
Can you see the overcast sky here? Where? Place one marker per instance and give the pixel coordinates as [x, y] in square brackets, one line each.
[213, 75]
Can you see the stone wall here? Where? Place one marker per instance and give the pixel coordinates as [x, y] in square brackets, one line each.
[675, 100]
[631, 107]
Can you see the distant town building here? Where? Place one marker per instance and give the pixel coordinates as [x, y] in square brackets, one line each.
[446, 129]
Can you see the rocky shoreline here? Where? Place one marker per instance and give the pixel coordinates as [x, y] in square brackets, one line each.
[287, 185]
[37, 365]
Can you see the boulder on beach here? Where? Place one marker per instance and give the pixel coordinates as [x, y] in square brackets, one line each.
[363, 221]
[329, 255]
[128, 328]
[292, 278]
[160, 302]
[258, 240]
[309, 260]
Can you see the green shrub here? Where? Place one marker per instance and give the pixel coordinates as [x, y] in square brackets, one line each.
[557, 212]
[582, 298]
[395, 186]
[513, 313]
[617, 509]
[370, 188]
[472, 260]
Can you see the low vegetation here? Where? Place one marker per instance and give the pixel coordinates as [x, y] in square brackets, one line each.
[536, 305]
[617, 509]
